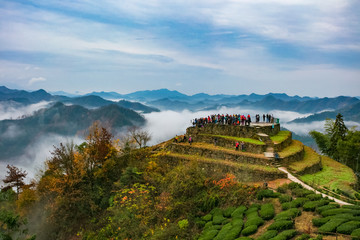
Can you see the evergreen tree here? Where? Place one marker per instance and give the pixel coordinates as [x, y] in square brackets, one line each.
[14, 178]
[337, 133]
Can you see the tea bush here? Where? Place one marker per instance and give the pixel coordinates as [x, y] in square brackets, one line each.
[239, 212]
[267, 211]
[284, 198]
[249, 230]
[288, 214]
[281, 225]
[312, 205]
[348, 227]
[326, 207]
[268, 235]
[257, 221]
[285, 235]
[332, 224]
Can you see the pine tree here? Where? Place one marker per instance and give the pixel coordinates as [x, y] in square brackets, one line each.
[338, 133]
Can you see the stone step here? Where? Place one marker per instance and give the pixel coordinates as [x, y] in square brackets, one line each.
[269, 154]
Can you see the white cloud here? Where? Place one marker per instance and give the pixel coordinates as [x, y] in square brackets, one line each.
[36, 79]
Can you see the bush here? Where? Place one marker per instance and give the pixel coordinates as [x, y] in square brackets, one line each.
[286, 205]
[298, 202]
[200, 223]
[355, 207]
[223, 232]
[268, 235]
[208, 235]
[326, 207]
[348, 227]
[284, 198]
[216, 211]
[281, 225]
[207, 217]
[229, 211]
[237, 222]
[249, 230]
[332, 224]
[233, 233]
[294, 185]
[257, 221]
[318, 237]
[314, 197]
[287, 234]
[356, 233]
[238, 213]
[218, 219]
[318, 222]
[301, 192]
[266, 193]
[267, 211]
[244, 238]
[303, 237]
[336, 211]
[288, 214]
[310, 206]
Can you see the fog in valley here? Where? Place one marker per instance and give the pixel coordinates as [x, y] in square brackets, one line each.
[162, 126]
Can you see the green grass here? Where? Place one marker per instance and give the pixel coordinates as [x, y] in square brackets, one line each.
[280, 137]
[247, 140]
[242, 166]
[334, 175]
[310, 158]
[296, 146]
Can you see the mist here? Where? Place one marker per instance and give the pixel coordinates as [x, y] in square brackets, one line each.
[167, 124]
[15, 110]
[36, 154]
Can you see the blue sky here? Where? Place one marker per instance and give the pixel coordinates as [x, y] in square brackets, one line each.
[301, 47]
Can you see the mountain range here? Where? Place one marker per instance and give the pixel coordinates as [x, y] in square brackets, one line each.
[17, 135]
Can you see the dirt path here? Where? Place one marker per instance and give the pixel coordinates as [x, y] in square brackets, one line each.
[294, 179]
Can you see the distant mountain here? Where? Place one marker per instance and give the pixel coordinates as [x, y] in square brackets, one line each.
[16, 135]
[150, 95]
[350, 113]
[62, 93]
[24, 96]
[107, 95]
[92, 101]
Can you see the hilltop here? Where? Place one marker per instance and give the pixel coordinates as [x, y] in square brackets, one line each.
[202, 189]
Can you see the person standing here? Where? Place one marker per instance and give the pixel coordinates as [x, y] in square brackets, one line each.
[242, 146]
[237, 146]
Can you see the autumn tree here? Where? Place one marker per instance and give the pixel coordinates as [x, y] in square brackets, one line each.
[141, 137]
[14, 178]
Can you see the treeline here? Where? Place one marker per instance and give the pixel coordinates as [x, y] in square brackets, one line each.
[110, 189]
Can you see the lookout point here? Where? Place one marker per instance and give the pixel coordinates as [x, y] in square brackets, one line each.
[252, 152]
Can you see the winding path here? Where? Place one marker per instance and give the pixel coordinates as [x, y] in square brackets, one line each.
[294, 179]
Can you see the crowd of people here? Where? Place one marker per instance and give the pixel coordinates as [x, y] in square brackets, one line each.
[235, 119]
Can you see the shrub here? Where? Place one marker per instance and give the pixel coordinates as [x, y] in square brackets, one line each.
[286, 205]
[216, 211]
[332, 224]
[326, 207]
[266, 193]
[268, 235]
[336, 211]
[314, 197]
[237, 222]
[223, 232]
[310, 206]
[183, 224]
[298, 202]
[249, 230]
[356, 233]
[244, 238]
[233, 233]
[208, 225]
[348, 227]
[267, 211]
[301, 192]
[207, 217]
[257, 221]
[229, 211]
[303, 237]
[355, 207]
[239, 212]
[281, 189]
[218, 219]
[318, 222]
[281, 225]
[288, 214]
[294, 185]
[208, 235]
[284, 198]
[318, 237]
[287, 234]
[200, 223]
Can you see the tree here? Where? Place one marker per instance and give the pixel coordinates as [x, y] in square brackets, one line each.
[14, 178]
[338, 132]
[141, 137]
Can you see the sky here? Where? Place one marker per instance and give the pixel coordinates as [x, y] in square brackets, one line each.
[300, 47]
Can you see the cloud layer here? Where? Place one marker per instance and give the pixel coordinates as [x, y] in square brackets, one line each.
[213, 46]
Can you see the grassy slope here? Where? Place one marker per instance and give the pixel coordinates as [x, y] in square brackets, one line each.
[247, 140]
[295, 147]
[280, 137]
[334, 175]
[310, 158]
[243, 166]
